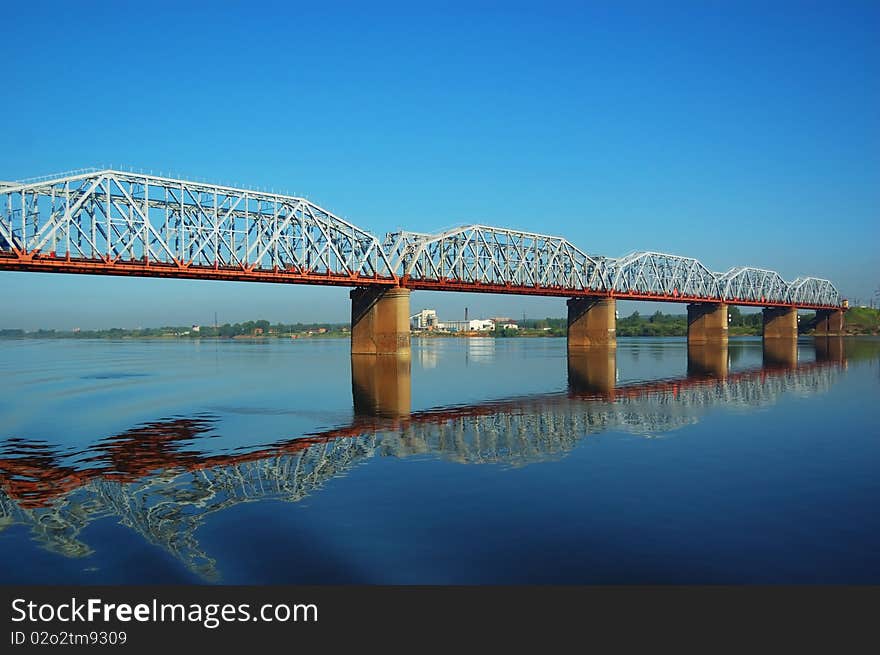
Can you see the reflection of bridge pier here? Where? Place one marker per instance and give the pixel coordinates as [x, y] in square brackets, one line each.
[380, 385]
[830, 349]
[592, 370]
[154, 478]
[780, 352]
[708, 359]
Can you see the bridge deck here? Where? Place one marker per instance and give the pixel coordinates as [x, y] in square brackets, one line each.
[53, 264]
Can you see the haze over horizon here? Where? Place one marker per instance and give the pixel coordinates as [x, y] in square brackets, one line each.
[740, 135]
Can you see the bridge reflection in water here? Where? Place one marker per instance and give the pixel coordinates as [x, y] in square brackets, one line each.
[709, 360]
[152, 480]
[380, 385]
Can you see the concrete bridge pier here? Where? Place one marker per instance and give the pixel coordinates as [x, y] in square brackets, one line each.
[381, 385]
[780, 323]
[380, 321]
[708, 360]
[830, 323]
[707, 323]
[592, 322]
[780, 332]
[592, 370]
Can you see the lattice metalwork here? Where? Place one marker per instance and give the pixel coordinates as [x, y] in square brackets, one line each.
[111, 217]
[494, 257]
[117, 223]
[755, 284]
[659, 274]
[813, 291]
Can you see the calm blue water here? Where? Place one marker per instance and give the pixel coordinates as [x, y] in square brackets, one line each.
[480, 461]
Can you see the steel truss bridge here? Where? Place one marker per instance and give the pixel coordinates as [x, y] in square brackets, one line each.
[121, 223]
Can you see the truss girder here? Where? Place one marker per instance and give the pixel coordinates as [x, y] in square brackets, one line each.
[754, 284]
[113, 216]
[113, 222]
[659, 274]
[813, 291]
[482, 255]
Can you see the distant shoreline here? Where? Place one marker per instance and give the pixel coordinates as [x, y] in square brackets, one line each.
[446, 335]
[859, 321]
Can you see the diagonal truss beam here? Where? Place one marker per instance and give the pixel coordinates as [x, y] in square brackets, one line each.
[118, 223]
[141, 221]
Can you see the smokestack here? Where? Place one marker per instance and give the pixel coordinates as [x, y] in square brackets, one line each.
[465, 313]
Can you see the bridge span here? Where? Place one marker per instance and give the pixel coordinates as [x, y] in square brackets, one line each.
[111, 222]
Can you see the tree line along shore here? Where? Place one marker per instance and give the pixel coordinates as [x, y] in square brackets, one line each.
[859, 321]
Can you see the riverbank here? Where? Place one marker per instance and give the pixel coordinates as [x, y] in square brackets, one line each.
[860, 321]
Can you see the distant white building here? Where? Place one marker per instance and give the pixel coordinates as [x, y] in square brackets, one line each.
[454, 326]
[424, 320]
[473, 325]
[427, 320]
[481, 325]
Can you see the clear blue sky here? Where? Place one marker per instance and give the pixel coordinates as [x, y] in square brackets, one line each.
[738, 133]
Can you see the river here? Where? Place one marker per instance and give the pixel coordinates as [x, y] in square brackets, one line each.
[479, 461]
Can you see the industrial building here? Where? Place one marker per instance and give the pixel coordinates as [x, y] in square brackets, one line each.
[424, 320]
[427, 319]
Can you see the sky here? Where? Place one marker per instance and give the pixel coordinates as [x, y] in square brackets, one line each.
[738, 133]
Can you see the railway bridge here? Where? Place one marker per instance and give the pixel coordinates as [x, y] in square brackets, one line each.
[112, 222]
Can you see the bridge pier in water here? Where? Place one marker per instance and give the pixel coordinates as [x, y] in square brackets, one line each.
[592, 322]
[707, 323]
[380, 321]
[780, 323]
[830, 323]
[780, 333]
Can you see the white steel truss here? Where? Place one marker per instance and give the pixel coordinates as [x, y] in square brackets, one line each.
[813, 291]
[494, 256]
[115, 216]
[755, 284]
[660, 274]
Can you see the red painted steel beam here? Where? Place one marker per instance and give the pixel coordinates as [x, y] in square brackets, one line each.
[139, 268]
[190, 272]
[479, 287]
